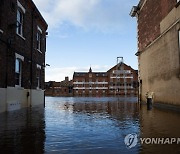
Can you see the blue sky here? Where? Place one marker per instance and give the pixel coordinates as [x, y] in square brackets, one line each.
[84, 33]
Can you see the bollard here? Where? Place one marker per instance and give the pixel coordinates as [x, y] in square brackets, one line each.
[149, 100]
[28, 94]
[149, 103]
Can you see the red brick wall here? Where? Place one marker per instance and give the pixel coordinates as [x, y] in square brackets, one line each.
[120, 82]
[87, 78]
[63, 88]
[149, 19]
[111, 80]
[26, 47]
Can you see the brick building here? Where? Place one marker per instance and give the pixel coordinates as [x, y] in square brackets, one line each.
[22, 54]
[63, 88]
[119, 80]
[159, 50]
[90, 83]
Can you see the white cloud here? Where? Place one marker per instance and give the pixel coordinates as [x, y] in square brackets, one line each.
[101, 15]
[59, 74]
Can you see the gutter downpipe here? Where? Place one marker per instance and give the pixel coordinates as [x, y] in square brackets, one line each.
[32, 48]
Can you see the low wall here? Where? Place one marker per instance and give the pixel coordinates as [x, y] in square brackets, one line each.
[14, 98]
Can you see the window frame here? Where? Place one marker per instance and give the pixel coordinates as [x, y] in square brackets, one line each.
[20, 16]
[38, 76]
[21, 59]
[19, 72]
[39, 39]
[20, 20]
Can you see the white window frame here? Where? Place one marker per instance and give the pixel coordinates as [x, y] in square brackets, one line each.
[1, 31]
[39, 39]
[38, 77]
[20, 24]
[21, 59]
[21, 7]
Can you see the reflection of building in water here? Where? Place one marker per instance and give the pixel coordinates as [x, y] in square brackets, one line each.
[63, 88]
[159, 123]
[106, 83]
[22, 54]
[23, 131]
[117, 110]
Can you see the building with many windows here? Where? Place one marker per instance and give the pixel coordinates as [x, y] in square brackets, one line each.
[63, 88]
[22, 54]
[119, 80]
[90, 83]
[159, 50]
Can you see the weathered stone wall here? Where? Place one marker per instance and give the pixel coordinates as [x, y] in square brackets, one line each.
[160, 62]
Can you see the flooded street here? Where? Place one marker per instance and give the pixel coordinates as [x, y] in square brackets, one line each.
[87, 125]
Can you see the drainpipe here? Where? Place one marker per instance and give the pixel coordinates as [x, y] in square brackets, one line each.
[32, 48]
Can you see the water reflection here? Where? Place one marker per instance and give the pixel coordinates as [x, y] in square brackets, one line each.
[90, 125]
[159, 123]
[86, 125]
[22, 131]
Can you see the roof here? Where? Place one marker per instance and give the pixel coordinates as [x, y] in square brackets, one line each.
[114, 67]
[41, 17]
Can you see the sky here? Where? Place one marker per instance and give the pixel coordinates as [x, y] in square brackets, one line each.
[84, 33]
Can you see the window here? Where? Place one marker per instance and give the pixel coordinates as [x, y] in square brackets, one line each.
[38, 76]
[18, 71]
[19, 29]
[20, 18]
[39, 38]
[39, 41]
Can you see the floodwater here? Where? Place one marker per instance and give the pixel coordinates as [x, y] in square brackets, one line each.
[70, 125]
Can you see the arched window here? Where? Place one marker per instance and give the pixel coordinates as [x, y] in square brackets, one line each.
[20, 19]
